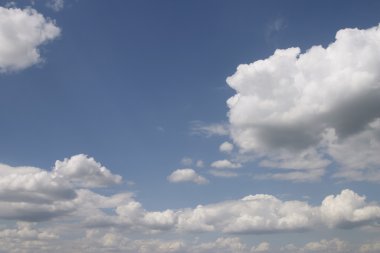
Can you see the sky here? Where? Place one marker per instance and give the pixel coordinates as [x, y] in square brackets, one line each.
[204, 126]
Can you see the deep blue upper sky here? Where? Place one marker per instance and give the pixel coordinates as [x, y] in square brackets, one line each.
[126, 79]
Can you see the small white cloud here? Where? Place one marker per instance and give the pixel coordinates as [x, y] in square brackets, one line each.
[187, 161]
[208, 130]
[22, 32]
[186, 175]
[226, 147]
[200, 164]
[262, 247]
[223, 173]
[225, 164]
[56, 5]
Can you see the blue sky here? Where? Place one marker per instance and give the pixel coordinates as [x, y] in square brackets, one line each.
[121, 118]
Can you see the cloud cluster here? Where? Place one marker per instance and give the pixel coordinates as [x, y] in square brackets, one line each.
[253, 214]
[26, 238]
[370, 247]
[34, 194]
[322, 246]
[22, 32]
[302, 111]
[223, 244]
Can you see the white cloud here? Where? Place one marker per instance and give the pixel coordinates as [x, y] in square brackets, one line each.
[116, 241]
[225, 164]
[267, 214]
[208, 130]
[186, 175]
[186, 161]
[295, 176]
[348, 209]
[21, 33]
[223, 173]
[262, 247]
[322, 246]
[199, 164]
[226, 147]
[32, 185]
[26, 238]
[222, 245]
[334, 245]
[370, 247]
[34, 194]
[56, 5]
[84, 171]
[294, 110]
[252, 214]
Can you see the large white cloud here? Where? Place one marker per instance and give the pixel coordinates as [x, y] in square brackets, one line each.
[22, 32]
[253, 214]
[348, 209]
[300, 111]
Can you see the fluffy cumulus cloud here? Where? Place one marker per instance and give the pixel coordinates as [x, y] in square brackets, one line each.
[22, 32]
[348, 209]
[186, 175]
[34, 194]
[300, 111]
[253, 214]
[226, 147]
[85, 172]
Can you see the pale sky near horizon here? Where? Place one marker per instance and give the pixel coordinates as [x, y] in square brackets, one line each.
[189, 126]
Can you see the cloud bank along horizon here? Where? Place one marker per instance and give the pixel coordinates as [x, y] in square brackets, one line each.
[296, 113]
[67, 194]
